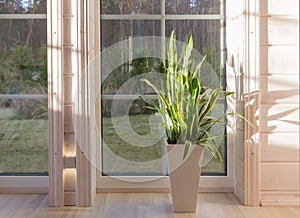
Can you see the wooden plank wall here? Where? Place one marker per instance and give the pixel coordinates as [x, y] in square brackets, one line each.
[71, 175]
[234, 74]
[263, 46]
[55, 112]
[279, 102]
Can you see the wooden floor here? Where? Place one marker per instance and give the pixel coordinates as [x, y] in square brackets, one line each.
[115, 205]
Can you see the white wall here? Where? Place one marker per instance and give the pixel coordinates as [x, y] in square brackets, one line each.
[279, 102]
[263, 45]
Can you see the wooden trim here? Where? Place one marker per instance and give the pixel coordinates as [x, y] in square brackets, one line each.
[251, 157]
[159, 190]
[84, 167]
[24, 184]
[70, 198]
[55, 114]
[160, 183]
[280, 198]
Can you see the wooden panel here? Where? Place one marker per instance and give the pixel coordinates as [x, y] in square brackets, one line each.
[279, 89]
[239, 109]
[55, 104]
[239, 192]
[279, 31]
[67, 6]
[68, 119]
[70, 198]
[280, 198]
[279, 118]
[70, 144]
[69, 180]
[239, 144]
[282, 60]
[279, 176]
[286, 8]
[69, 162]
[67, 60]
[84, 180]
[234, 8]
[68, 89]
[67, 33]
[238, 166]
[279, 147]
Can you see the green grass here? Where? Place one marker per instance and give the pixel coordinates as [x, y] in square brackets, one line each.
[23, 144]
[119, 156]
[24, 147]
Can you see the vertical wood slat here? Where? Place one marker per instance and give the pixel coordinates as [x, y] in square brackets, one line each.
[251, 101]
[93, 21]
[69, 70]
[56, 188]
[89, 76]
[234, 59]
[83, 166]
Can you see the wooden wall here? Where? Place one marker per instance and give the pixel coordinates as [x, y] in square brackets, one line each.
[279, 102]
[73, 43]
[263, 46]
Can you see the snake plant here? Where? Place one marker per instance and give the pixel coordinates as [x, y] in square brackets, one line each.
[184, 104]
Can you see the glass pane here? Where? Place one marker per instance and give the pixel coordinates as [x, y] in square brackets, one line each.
[124, 31]
[23, 97]
[23, 136]
[31, 34]
[130, 7]
[114, 31]
[131, 138]
[209, 164]
[193, 7]
[23, 7]
[126, 79]
[206, 38]
[23, 57]
[125, 154]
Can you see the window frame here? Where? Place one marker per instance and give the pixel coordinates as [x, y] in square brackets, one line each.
[27, 182]
[161, 183]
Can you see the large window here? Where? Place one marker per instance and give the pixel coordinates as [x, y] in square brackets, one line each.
[23, 87]
[138, 150]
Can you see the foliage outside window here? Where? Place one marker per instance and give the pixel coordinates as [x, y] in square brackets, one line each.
[23, 87]
[124, 20]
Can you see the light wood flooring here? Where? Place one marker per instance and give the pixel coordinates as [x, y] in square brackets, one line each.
[136, 205]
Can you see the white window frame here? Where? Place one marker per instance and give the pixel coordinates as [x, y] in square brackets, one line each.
[40, 184]
[162, 183]
[23, 183]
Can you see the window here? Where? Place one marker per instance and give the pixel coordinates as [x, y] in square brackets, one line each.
[130, 153]
[23, 87]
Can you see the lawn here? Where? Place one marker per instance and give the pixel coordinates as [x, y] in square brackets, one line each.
[23, 144]
[24, 147]
[120, 157]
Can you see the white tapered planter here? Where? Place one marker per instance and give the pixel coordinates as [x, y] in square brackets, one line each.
[184, 177]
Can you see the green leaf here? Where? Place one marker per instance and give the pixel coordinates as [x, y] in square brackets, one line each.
[186, 149]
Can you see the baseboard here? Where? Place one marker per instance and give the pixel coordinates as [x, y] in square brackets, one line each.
[239, 192]
[280, 198]
[24, 184]
[159, 190]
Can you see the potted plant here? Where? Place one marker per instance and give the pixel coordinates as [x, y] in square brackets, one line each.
[185, 106]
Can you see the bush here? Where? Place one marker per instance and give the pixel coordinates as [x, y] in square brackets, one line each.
[21, 60]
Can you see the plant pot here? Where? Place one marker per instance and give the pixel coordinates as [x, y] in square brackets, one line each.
[184, 177]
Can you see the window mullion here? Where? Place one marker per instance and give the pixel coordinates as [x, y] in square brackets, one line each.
[22, 16]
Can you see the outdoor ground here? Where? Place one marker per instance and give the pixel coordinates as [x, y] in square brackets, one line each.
[24, 147]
